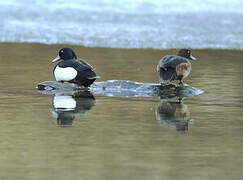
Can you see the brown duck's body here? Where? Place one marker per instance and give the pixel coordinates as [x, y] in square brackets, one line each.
[174, 67]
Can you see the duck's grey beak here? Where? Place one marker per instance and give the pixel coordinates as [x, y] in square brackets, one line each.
[192, 58]
[56, 59]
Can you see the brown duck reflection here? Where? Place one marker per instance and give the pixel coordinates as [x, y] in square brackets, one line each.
[67, 107]
[174, 113]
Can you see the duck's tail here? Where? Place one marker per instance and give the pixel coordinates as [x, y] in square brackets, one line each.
[90, 74]
[94, 77]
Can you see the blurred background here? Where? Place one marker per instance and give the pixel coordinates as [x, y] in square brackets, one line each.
[157, 24]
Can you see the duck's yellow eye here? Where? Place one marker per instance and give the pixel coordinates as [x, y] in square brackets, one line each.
[61, 51]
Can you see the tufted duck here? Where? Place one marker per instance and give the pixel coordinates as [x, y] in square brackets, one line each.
[72, 69]
[175, 67]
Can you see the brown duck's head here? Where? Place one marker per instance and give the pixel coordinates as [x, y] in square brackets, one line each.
[186, 53]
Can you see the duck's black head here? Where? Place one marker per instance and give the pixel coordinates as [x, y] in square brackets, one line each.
[65, 54]
[186, 53]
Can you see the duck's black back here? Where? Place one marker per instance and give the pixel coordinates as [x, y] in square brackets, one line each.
[78, 64]
[172, 61]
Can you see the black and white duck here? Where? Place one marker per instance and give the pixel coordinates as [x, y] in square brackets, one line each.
[73, 70]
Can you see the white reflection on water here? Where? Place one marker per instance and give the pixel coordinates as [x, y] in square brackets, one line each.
[67, 106]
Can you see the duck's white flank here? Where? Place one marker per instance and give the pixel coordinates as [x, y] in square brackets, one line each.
[65, 74]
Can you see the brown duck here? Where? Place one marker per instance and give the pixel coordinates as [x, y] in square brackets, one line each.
[175, 67]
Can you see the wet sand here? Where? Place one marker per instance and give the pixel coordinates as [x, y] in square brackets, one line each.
[109, 63]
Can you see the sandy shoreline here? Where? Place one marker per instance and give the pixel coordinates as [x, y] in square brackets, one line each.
[110, 63]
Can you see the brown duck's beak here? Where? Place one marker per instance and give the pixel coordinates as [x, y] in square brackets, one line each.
[56, 59]
[192, 58]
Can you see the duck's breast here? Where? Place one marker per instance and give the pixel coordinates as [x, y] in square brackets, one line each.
[183, 69]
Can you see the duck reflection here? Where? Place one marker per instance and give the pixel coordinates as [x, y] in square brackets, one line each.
[66, 107]
[174, 113]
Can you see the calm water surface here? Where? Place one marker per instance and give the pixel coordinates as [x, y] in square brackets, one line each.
[115, 137]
